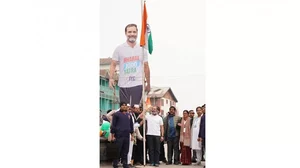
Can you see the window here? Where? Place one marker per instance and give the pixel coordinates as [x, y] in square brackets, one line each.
[152, 101]
[162, 102]
[166, 101]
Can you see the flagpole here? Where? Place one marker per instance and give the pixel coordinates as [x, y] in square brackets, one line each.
[143, 92]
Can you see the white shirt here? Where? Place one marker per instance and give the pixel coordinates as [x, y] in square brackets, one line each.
[130, 64]
[153, 124]
[195, 144]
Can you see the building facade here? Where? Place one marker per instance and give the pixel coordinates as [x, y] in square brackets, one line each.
[162, 97]
[108, 98]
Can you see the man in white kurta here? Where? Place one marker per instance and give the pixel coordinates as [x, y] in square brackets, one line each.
[195, 144]
[129, 155]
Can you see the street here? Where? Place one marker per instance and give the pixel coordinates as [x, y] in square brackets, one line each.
[162, 165]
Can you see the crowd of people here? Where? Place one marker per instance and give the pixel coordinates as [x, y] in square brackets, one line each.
[184, 136]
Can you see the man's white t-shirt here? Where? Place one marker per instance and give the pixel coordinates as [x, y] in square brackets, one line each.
[153, 124]
[130, 64]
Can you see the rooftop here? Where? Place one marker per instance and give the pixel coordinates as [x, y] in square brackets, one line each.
[160, 92]
[105, 61]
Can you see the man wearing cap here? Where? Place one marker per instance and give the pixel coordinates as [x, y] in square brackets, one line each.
[195, 144]
[139, 154]
[138, 147]
[121, 128]
[192, 115]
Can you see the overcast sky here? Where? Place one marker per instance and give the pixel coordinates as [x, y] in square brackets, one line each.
[178, 58]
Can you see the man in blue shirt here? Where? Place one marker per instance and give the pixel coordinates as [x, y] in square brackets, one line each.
[172, 130]
[121, 128]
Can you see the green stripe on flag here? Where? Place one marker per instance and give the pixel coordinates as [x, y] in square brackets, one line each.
[150, 43]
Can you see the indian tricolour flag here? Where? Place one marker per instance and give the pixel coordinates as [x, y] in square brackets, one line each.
[146, 35]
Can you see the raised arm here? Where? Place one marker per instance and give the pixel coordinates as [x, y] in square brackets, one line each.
[109, 115]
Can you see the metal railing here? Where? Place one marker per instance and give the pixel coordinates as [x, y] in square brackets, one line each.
[107, 93]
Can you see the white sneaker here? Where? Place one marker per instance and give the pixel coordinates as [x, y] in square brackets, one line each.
[198, 163]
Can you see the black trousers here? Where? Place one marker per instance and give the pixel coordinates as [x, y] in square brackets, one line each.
[154, 148]
[162, 156]
[134, 92]
[139, 152]
[203, 148]
[123, 145]
[147, 152]
[173, 147]
[194, 157]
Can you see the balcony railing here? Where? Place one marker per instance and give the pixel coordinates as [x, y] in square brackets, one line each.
[107, 93]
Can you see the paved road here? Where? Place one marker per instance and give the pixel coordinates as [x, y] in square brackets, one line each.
[162, 165]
